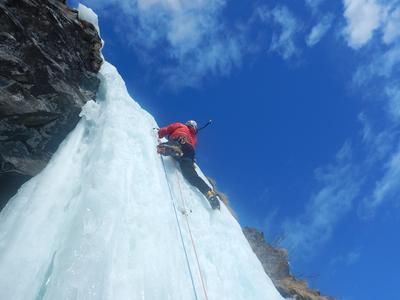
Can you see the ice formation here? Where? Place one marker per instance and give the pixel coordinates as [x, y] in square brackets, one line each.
[99, 221]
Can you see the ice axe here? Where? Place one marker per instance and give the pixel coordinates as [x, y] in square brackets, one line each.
[205, 125]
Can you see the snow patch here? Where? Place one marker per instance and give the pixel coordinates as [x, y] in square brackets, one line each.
[88, 15]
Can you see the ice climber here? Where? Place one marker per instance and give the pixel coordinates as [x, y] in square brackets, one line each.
[182, 139]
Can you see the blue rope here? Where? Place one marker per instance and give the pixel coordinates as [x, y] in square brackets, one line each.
[179, 227]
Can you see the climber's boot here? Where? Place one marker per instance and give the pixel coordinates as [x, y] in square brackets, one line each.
[213, 198]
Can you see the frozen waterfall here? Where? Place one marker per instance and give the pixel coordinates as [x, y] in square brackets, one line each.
[99, 221]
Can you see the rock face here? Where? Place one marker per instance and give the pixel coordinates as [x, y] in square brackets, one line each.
[275, 263]
[48, 64]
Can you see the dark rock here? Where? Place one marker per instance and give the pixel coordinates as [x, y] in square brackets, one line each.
[274, 260]
[276, 265]
[49, 61]
[9, 185]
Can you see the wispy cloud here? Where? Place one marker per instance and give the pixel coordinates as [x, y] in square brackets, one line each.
[348, 259]
[314, 4]
[283, 41]
[339, 186]
[377, 80]
[388, 187]
[391, 32]
[383, 63]
[319, 30]
[193, 40]
[189, 36]
[383, 145]
[393, 94]
[363, 18]
[284, 27]
[383, 148]
[218, 59]
[378, 143]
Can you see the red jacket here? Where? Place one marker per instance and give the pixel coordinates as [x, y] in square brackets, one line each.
[177, 130]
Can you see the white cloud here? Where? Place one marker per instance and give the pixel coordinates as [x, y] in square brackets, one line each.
[386, 64]
[284, 42]
[339, 187]
[382, 64]
[314, 4]
[216, 59]
[391, 31]
[379, 144]
[379, 80]
[383, 140]
[388, 187]
[393, 93]
[363, 18]
[187, 34]
[366, 127]
[319, 30]
[383, 150]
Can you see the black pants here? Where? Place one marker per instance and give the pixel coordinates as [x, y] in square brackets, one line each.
[189, 172]
[186, 162]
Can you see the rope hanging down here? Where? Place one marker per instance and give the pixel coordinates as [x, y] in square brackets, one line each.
[180, 230]
[191, 236]
[189, 229]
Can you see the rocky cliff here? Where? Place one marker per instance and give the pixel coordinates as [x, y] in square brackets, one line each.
[48, 64]
[276, 265]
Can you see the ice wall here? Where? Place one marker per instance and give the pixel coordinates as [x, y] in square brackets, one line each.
[99, 221]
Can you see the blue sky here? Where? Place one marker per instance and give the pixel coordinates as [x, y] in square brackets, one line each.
[305, 98]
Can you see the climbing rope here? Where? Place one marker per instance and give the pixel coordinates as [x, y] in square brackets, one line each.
[180, 230]
[191, 236]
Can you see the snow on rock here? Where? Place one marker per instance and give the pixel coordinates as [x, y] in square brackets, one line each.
[99, 221]
[88, 15]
